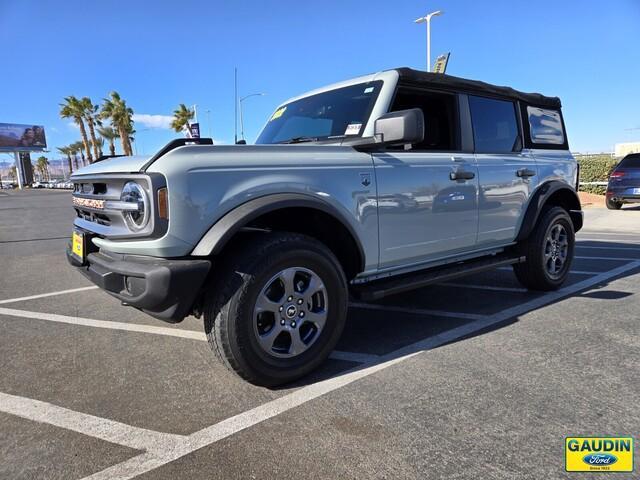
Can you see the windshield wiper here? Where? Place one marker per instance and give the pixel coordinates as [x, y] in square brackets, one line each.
[300, 140]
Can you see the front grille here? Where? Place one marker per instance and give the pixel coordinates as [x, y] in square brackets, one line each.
[94, 217]
[96, 204]
[97, 188]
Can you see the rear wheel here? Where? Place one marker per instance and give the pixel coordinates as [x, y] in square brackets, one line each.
[278, 309]
[612, 205]
[549, 251]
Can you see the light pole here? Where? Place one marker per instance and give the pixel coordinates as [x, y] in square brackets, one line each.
[241, 120]
[209, 122]
[427, 19]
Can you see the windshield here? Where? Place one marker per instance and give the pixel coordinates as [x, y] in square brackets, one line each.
[333, 114]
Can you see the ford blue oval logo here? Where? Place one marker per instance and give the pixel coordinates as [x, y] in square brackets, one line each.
[600, 459]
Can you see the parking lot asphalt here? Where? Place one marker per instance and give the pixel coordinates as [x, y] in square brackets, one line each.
[475, 378]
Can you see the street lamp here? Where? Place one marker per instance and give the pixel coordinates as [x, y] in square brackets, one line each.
[242, 99]
[427, 19]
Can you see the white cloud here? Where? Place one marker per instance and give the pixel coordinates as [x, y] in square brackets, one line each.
[153, 121]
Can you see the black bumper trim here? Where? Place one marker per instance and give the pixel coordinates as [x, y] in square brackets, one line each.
[162, 288]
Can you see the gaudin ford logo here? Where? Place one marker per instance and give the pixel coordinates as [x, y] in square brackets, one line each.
[88, 203]
[598, 454]
[600, 459]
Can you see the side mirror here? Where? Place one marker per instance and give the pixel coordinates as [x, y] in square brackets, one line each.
[400, 128]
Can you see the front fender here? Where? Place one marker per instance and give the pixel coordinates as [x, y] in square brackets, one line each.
[226, 227]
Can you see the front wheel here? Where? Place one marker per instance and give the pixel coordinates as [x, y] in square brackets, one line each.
[548, 250]
[278, 308]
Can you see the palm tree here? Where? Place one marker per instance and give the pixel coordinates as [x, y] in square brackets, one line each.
[78, 147]
[73, 108]
[91, 116]
[67, 151]
[109, 134]
[115, 109]
[181, 118]
[42, 165]
[73, 150]
[100, 144]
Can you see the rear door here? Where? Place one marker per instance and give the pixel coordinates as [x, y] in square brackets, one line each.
[508, 174]
[427, 196]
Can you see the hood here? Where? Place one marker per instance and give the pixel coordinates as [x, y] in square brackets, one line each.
[131, 164]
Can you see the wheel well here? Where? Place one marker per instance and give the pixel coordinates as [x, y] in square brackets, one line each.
[564, 198]
[559, 196]
[568, 200]
[317, 224]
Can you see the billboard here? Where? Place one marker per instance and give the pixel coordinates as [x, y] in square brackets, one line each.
[16, 137]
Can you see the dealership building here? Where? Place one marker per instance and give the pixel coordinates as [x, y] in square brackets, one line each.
[622, 149]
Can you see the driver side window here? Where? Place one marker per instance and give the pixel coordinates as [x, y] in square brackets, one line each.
[440, 118]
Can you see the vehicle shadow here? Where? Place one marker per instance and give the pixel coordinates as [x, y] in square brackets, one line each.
[406, 323]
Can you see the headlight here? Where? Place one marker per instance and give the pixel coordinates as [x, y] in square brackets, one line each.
[134, 194]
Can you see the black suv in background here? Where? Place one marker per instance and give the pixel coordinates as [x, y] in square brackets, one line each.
[624, 182]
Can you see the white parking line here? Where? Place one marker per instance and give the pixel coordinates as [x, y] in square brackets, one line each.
[563, 292]
[136, 327]
[50, 294]
[151, 460]
[97, 427]
[89, 322]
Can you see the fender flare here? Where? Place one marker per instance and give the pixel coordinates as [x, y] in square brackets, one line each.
[539, 199]
[230, 223]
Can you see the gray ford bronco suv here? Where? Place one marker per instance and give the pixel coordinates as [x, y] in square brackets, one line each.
[361, 189]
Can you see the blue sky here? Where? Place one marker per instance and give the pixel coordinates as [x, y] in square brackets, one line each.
[161, 53]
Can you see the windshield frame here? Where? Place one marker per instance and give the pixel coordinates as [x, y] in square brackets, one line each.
[377, 83]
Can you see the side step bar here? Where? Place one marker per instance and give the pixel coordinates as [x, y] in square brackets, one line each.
[382, 288]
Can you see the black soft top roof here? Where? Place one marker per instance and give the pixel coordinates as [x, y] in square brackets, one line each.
[439, 80]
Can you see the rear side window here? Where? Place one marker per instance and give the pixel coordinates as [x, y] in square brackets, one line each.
[545, 126]
[495, 128]
[630, 161]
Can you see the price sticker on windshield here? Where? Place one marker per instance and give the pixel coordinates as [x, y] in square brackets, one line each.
[278, 113]
[353, 129]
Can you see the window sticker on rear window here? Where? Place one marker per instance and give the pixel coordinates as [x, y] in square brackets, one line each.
[368, 90]
[545, 126]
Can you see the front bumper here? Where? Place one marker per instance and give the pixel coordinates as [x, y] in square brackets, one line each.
[165, 289]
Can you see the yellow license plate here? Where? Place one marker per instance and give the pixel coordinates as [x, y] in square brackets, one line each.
[77, 245]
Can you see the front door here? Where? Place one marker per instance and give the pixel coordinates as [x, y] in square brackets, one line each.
[428, 195]
[427, 205]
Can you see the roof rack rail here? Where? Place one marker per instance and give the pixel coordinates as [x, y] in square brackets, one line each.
[173, 144]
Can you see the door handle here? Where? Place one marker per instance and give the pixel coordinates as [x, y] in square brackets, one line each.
[462, 175]
[525, 172]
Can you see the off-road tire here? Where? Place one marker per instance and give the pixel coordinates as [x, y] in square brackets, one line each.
[231, 297]
[534, 273]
